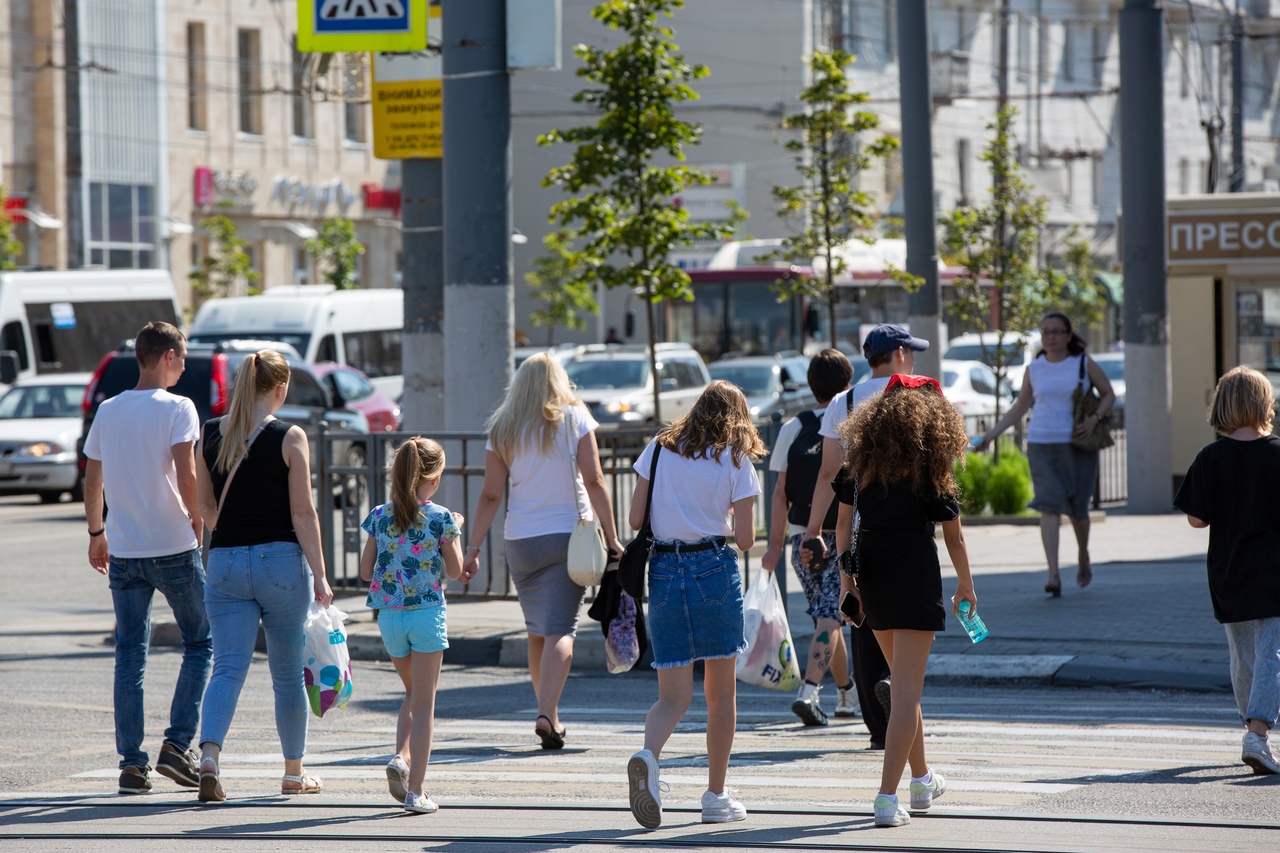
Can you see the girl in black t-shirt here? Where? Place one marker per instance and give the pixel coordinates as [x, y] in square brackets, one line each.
[1231, 486]
[900, 449]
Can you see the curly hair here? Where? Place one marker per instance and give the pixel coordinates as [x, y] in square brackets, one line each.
[720, 420]
[912, 434]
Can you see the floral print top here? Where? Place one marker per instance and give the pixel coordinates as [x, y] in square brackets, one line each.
[407, 572]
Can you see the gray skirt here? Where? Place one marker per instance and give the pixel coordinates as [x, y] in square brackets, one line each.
[1063, 478]
[549, 599]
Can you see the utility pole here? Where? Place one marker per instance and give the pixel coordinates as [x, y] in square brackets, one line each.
[1237, 100]
[1002, 102]
[1146, 291]
[76, 256]
[422, 235]
[924, 307]
[479, 302]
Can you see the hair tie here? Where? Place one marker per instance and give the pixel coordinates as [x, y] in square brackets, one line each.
[257, 359]
[901, 380]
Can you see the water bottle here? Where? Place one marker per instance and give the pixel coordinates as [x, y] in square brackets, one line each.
[974, 625]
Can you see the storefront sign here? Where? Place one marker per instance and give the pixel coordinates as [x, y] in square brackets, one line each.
[1204, 237]
[408, 101]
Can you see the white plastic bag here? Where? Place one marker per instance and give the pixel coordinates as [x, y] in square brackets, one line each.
[326, 661]
[769, 659]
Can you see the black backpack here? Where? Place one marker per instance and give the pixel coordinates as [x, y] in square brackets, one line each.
[804, 462]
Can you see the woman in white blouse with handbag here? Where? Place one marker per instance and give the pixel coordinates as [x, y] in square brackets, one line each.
[536, 432]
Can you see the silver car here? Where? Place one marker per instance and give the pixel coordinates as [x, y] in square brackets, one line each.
[40, 423]
[615, 384]
[770, 383]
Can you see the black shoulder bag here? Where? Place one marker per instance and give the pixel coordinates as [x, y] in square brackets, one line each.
[635, 557]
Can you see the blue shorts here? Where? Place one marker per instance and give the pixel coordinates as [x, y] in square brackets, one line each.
[415, 629]
[695, 606]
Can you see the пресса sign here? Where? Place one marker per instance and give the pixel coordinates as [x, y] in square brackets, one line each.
[1202, 237]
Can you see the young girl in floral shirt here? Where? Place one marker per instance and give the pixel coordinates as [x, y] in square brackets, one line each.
[409, 540]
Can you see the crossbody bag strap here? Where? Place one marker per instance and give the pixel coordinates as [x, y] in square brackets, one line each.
[653, 470]
[1083, 357]
[234, 468]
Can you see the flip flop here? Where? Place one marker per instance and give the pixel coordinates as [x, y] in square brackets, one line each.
[551, 739]
[1084, 574]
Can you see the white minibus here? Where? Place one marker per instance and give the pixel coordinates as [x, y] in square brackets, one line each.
[362, 328]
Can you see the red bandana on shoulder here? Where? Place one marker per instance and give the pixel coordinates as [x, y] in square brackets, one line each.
[902, 380]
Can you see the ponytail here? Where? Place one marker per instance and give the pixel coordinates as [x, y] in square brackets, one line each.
[259, 373]
[416, 460]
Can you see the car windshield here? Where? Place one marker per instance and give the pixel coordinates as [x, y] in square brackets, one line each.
[755, 381]
[603, 375]
[1113, 367]
[1013, 354]
[295, 340]
[41, 401]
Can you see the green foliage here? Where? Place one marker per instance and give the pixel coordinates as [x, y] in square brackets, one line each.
[826, 210]
[336, 251]
[226, 265]
[551, 281]
[996, 246]
[973, 478]
[1081, 298]
[1009, 486]
[620, 198]
[10, 247]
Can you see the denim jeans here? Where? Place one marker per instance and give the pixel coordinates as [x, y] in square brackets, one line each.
[133, 582]
[1255, 668]
[270, 583]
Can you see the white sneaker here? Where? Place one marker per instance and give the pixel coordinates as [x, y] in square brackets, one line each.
[419, 804]
[807, 706]
[889, 813]
[847, 702]
[398, 779]
[646, 790]
[722, 808]
[1257, 754]
[922, 795]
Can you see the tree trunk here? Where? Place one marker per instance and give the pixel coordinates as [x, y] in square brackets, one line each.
[653, 351]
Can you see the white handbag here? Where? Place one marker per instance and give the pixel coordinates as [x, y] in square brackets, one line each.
[588, 552]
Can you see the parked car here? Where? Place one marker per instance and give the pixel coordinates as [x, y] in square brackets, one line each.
[971, 386]
[207, 381]
[561, 352]
[1018, 349]
[614, 381]
[39, 427]
[351, 389]
[1112, 364]
[771, 383]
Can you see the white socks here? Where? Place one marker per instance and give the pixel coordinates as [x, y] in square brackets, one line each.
[926, 779]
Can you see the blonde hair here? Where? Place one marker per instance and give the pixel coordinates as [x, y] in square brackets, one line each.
[416, 460]
[1242, 399]
[720, 420]
[533, 402]
[257, 374]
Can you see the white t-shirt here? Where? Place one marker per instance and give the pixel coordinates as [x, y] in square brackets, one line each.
[838, 409]
[133, 437]
[1052, 385]
[542, 501]
[782, 447]
[692, 497]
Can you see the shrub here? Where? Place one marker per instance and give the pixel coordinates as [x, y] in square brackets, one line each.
[1009, 486]
[973, 478]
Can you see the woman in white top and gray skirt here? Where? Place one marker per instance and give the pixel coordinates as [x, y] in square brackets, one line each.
[539, 426]
[1062, 475]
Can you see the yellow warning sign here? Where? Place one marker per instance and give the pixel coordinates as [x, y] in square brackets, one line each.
[408, 101]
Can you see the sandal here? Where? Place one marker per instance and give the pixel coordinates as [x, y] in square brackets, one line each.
[1054, 587]
[1084, 573]
[211, 790]
[551, 739]
[307, 784]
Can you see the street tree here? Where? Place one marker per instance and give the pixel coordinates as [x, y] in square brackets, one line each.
[336, 251]
[565, 297]
[10, 247]
[1001, 282]
[226, 266]
[629, 165]
[826, 209]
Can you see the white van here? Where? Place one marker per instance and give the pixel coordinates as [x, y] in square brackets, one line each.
[361, 328]
[65, 321]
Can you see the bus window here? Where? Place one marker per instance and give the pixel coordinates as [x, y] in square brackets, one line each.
[12, 338]
[45, 354]
[328, 349]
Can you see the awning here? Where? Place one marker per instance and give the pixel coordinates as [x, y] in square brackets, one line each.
[1113, 282]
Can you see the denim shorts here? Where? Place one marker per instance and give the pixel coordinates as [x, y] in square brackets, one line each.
[413, 629]
[695, 606]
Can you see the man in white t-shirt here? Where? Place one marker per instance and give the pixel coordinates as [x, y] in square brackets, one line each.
[889, 349]
[140, 452]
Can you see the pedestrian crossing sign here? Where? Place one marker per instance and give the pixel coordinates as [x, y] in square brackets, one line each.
[330, 26]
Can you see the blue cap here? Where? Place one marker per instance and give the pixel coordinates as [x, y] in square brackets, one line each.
[887, 337]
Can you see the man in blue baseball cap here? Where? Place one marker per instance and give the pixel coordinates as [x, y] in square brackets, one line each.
[889, 349]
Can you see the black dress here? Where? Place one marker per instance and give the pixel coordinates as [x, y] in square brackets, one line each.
[900, 579]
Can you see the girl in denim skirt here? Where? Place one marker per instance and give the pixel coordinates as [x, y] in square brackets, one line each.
[704, 490]
[410, 540]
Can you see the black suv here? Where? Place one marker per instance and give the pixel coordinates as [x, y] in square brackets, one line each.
[207, 382]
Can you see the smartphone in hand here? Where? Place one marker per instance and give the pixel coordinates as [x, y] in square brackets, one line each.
[850, 606]
[816, 547]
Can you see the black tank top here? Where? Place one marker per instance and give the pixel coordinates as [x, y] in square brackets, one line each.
[256, 509]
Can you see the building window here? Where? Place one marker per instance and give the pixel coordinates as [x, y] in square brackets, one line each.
[353, 121]
[197, 113]
[1184, 176]
[1098, 57]
[353, 110]
[303, 126]
[249, 58]
[1023, 53]
[121, 226]
[1068, 51]
[890, 30]
[1099, 188]
[962, 171]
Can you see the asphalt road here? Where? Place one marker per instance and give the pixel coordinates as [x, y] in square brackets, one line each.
[1028, 768]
